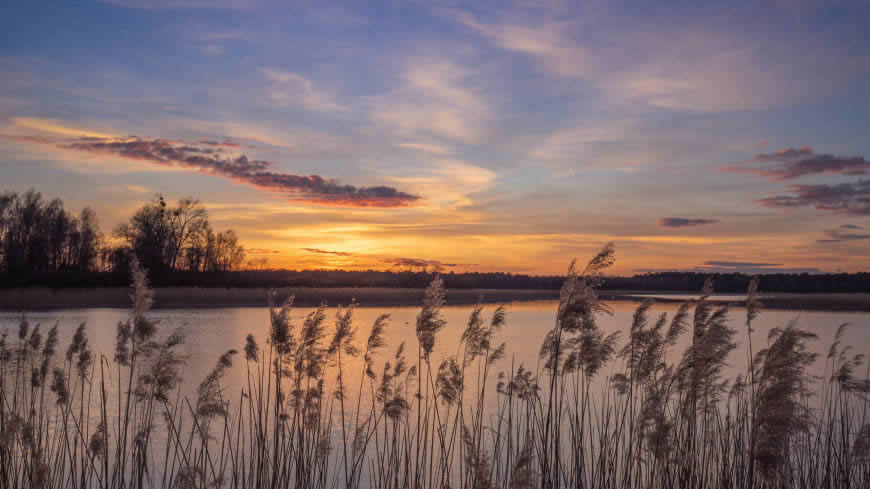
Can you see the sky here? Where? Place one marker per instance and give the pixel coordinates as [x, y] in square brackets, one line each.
[488, 136]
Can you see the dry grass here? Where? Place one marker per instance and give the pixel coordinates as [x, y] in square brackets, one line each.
[667, 418]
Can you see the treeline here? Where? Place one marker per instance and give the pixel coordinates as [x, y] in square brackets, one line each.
[170, 239]
[669, 282]
[41, 243]
[289, 278]
[738, 282]
[38, 236]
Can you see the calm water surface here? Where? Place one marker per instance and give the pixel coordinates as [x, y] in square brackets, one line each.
[210, 332]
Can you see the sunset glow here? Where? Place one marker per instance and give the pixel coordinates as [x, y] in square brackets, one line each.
[476, 138]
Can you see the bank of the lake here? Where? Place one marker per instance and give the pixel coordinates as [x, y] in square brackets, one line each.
[36, 299]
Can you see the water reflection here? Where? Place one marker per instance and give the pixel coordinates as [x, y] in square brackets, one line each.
[211, 332]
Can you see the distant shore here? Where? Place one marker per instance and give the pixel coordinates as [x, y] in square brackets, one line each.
[31, 299]
[36, 299]
[856, 302]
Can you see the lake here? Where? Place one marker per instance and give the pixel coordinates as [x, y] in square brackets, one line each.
[212, 331]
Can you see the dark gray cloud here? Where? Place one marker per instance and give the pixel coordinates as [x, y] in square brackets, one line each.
[740, 264]
[416, 263]
[792, 163]
[838, 236]
[750, 268]
[394, 261]
[745, 267]
[261, 251]
[845, 198]
[681, 222]
[257, 173]
[327, 252]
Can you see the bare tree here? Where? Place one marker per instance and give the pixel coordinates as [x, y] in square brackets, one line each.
[39, 236]
[184, 221]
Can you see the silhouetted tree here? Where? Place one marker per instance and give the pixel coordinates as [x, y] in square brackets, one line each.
[36, 236]
[228, 253]
[169, 239]
[89, 238]
[185, 221]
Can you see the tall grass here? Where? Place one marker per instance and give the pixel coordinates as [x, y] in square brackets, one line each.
[663, 418]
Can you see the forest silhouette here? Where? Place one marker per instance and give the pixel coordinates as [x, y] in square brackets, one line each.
[42, 244]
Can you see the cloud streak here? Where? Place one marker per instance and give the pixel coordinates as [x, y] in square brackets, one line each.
[313, 189]
[681, 222]
[839, 235]
[389, 260]
[262, 251]
[745, 267]
[327, 252]
[845, 198]
[416, 263]
[740, 264]
[793, 163]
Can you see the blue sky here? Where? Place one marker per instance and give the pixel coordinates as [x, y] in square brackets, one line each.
[489, 135]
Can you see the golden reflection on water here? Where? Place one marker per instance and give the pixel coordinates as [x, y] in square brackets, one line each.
[211, 332]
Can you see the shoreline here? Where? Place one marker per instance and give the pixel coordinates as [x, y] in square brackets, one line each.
[834, 302]
[43, 299]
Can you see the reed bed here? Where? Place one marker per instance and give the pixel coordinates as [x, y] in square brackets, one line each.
[664, 418]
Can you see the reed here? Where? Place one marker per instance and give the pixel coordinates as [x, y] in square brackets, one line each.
[658, 416]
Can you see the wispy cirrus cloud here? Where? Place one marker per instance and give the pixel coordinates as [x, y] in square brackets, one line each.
[52, 126]
[546, 40]
[629, 143]
[681, 222]
[682, 66]
[292, 89]
[431, 148]
[209, 158]
[792, 163]
[851, 198]
[449, 183]
[571, 144]
[434, 100]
